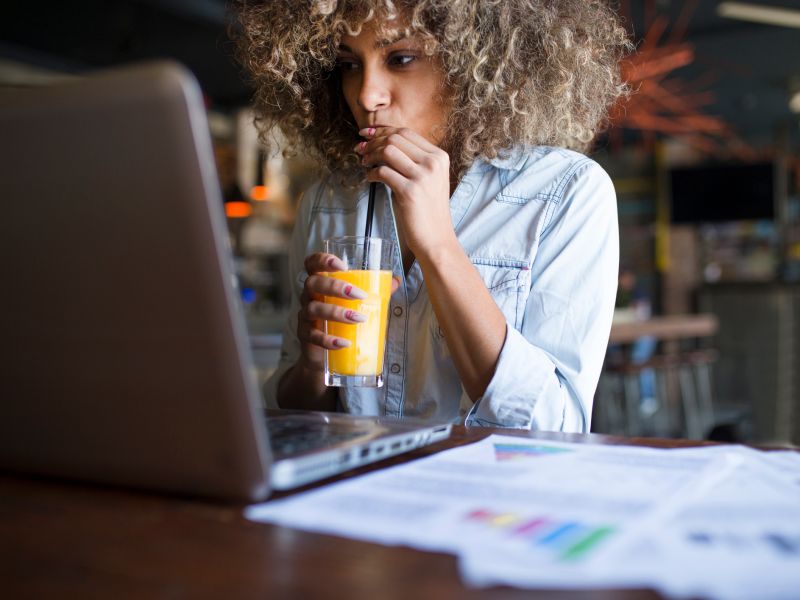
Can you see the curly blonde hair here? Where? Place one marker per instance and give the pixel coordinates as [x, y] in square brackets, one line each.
[538, 72]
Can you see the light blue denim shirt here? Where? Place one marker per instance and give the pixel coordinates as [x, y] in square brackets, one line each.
[540, 227]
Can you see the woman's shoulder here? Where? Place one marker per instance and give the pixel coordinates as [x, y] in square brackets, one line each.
[549, 170]
[559, 161]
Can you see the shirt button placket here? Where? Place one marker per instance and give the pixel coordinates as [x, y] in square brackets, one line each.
[395, 350]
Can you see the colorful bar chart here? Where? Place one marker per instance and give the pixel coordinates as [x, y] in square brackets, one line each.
[505, 452]
[565, 540]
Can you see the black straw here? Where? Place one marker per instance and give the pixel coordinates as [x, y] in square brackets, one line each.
[368, 228]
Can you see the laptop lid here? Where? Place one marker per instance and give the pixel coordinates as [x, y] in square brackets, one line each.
[123, 354]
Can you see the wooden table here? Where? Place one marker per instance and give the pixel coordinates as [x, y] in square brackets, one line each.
[65, 540]
[670, 327]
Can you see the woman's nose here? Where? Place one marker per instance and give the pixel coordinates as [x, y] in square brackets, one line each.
[374, 94]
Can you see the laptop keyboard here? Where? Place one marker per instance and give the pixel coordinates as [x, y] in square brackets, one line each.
[289, 437]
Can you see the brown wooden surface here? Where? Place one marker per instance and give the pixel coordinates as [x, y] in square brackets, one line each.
[672, 327]
[65, 540]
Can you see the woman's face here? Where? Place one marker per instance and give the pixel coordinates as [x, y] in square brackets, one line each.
[392, 83]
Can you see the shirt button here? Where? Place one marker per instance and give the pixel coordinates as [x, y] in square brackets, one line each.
[395, 368]
[397, 311]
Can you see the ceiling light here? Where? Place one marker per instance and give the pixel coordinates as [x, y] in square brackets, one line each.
[794, 102]
[770, 15]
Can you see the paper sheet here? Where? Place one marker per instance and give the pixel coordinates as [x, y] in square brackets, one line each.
[736, 537]
[536, 513]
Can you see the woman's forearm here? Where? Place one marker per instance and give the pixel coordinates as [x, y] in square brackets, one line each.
[474, 327]
[302, 387]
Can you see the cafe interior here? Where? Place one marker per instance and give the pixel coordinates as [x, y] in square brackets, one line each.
[705, 161]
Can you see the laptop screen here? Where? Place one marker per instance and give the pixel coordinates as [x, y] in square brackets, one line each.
[124, 352]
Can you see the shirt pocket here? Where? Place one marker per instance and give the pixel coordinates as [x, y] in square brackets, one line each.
[509, 283]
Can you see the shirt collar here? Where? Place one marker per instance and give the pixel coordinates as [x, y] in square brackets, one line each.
[509, 160]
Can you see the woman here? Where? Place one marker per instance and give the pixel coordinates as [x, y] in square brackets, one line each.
[468, 113]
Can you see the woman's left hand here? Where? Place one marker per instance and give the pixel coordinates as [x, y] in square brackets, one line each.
[418, 172]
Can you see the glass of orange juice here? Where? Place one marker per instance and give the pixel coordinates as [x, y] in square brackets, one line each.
[369, 268]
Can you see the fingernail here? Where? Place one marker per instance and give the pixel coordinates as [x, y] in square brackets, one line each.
[355, 316]
[353, 292]
[361, 146]
[336, 264]
[341, 343]
[367, 132]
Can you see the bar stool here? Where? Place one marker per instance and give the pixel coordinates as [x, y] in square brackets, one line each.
[683, 399]
[695, 385]
[618, 403]
[611, 411]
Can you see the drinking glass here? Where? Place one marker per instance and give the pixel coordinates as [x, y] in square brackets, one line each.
[369, 268]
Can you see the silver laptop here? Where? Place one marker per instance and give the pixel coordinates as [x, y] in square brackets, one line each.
[124, 357]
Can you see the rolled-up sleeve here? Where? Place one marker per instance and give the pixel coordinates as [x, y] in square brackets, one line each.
[547, 371]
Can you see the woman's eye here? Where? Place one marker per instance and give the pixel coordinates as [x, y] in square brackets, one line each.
[346, 64]
[401, 60]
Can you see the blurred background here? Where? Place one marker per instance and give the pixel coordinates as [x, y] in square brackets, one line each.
[705, 157]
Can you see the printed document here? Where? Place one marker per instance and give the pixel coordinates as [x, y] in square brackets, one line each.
[537, 513]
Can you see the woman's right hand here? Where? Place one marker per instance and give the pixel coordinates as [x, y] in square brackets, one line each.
[314, 310]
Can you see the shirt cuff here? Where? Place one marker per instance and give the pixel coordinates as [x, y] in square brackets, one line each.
[525, 391]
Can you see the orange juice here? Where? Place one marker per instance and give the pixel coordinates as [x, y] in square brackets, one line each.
[364, 356]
